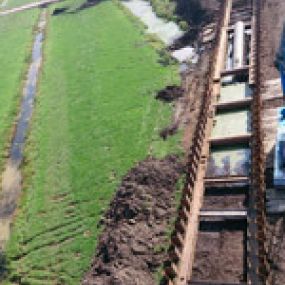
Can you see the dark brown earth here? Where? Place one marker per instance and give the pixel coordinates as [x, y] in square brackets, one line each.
[223, 200]
[276, 231]
[130, 248]
[218, 253]
[170, 93]
[186, 100]
[197, 13]
[195, 83]
[272, 18]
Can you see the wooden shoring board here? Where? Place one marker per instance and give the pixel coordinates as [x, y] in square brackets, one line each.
[184, 269]
[231, 105]
[230, 140]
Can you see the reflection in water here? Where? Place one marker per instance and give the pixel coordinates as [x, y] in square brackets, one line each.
[229, 161]
[3, 4]
[11, 178]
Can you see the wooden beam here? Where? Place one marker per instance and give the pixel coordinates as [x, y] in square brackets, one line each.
[227, 179]
[229, 140]
[236, 71]
[233, 104]
[224, 213]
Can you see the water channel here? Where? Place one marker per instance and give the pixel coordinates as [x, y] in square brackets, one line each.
[11, 177]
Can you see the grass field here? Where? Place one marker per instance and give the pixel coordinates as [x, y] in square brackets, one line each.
[16, 33]
[167, 9]
[15, 3]
[95, 117]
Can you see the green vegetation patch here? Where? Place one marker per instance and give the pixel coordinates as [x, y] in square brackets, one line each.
[16, 33]
[16, 3]
[167, 9]
[95, 117]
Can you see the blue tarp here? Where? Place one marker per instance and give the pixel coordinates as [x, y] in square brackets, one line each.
[280, 59]
[282, 74]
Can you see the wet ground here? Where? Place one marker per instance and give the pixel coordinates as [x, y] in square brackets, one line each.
[3, 4]
[168, 32]
[218, 254]
[11, 177]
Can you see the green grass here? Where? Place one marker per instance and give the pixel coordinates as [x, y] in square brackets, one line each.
[16, 3]
[166, 9]
[16, 33]
[95, 117]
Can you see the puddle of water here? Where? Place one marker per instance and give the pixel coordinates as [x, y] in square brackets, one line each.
[11, 177]
[168, 32]
[3, 4]
[185, 54]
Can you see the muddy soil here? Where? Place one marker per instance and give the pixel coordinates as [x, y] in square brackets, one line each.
[218, 258]
[197, 13]
[272, 17]
[170, 93]
[223, 200]
[186, 100]
[130, 248]
[276, 231]
[195, 84]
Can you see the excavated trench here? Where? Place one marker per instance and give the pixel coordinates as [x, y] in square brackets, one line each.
[135, 228]
[217, 256]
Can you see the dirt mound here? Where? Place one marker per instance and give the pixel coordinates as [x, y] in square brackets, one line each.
[130, 247]
[170, 93]
[169, 131]
[58, 11]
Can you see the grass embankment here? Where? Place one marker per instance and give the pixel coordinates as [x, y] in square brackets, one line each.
[16, 3]
[16, 33]
[167, 9]
[95, 117]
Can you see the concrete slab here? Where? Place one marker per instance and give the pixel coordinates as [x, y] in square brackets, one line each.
[234, 92]
[232, 123]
